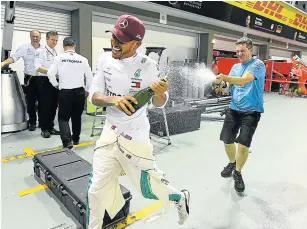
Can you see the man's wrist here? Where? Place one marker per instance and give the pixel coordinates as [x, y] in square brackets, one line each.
[160, 95]
[159, 100]
[112, 100]
[226, 78]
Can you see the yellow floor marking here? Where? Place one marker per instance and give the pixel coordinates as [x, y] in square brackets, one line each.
[30, 152]
[82, 144]
[129, 220]
[32, 190]
[132, 218]
[20, 156]
[139, 215]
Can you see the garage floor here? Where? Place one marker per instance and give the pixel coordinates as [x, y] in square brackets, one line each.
[275, 176]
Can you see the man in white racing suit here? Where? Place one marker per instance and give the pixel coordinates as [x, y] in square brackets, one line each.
[124, 144]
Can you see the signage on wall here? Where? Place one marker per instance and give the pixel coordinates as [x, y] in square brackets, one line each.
[257, 22]
[163, 18]
[190, 6]
[217, 10]
[276, 11]
[273, 17]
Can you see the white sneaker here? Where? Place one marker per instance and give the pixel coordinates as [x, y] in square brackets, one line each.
[183, 207]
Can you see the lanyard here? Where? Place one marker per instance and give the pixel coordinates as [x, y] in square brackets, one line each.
[50, 52]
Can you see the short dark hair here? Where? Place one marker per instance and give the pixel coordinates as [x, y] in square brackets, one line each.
[245, 40]
[51, 33]
[68, 41]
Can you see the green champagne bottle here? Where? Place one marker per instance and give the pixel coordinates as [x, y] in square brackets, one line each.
[144, 96]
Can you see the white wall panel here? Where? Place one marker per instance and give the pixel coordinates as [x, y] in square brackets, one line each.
[23, 37]
[230, 46]
[224, 45]
[179, 45]
[29, 17]
[280, 53]
[304, 57]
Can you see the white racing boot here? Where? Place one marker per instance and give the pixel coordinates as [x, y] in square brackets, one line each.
[183, 206]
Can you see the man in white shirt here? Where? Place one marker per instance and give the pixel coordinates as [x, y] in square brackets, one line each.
[71, 69]
[27, 53]
[47, 94]
[124, 144]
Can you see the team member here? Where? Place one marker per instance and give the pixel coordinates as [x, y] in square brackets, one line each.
[47, 94]
[71, 69]
[27, 53]
[247, 79]
[125, 143]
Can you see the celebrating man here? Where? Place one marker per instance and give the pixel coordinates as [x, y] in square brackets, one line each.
[247, 84]
[125, 143]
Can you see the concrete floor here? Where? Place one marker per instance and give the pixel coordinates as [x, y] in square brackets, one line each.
[275, 176]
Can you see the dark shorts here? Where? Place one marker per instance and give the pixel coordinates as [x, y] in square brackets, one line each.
[294, 84]
[244, 121]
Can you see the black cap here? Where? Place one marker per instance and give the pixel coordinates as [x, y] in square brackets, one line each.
[68, 41]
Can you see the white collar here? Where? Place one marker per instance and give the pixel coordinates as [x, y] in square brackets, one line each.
[50, 49]
[40, 45]
[128, 59]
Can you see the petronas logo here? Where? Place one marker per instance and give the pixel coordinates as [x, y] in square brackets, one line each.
[137, 73]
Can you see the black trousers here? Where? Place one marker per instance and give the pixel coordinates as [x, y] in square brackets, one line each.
[245, 121]
[31, 93]
[71, 106]
[47, 102]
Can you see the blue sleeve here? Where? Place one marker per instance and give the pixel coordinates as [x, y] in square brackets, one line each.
[232, 71]
[257, 69]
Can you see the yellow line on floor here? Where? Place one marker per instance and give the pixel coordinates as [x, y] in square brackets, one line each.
[132, 218]
[32, 190]
[29, 152]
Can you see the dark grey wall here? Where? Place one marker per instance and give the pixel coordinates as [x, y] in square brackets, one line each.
[206, 47]
[82, 31]
[264, 51]
[298, 53]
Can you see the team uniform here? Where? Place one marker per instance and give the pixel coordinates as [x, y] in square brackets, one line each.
[72, 70]
[48, 101]
[246, 104]
[27, 53]
[125, 142]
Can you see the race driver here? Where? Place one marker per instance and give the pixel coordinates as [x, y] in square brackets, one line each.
[124, 144]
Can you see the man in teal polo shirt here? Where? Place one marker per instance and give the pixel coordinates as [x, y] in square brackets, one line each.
[247, 85]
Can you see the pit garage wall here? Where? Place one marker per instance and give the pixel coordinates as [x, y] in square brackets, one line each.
[304, 57]
[280, 53]
[29, 17]
[82, 23]
[226, 45]
[179, 45]
[274, 52]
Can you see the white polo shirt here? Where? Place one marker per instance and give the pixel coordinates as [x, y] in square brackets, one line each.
[125, 77]
[44, 57]
[27, 53]
[71, 69]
